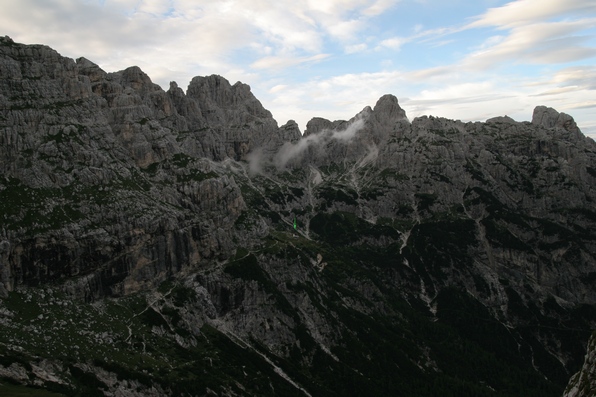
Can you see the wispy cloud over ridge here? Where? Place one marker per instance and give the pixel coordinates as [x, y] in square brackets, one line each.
[290, 151]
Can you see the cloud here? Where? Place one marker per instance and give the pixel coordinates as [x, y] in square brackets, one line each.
[154, 7]
[542, 43]
[278, 88]
[350, 131]
[286, 27]
[100, 29]
[470, 96]
[195, 38]
[580, 76]
[338, 7]
[523, 12]
[284, 62]
[255, 161]
[338, 97]
[537, 32]
[558, 91]
[529, 33]
[345, 31]
[434, 72]
[393, 43]
[552, 42]
[440, 101]
[185, 38]
[379, 7]
[290, 151]
[582, 105]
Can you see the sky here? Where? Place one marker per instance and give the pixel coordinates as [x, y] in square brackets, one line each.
[467, 60]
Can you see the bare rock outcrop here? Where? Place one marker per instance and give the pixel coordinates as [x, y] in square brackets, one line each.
[80, 152]
[583, 384]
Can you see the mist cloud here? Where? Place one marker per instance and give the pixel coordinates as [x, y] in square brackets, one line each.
[289, 150]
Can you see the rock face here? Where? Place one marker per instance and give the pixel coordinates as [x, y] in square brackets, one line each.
[583, 384]
[83, 147]
[171, 234]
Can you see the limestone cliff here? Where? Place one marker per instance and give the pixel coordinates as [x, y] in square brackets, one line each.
[181, 243]
[81, 151]
[583, 384]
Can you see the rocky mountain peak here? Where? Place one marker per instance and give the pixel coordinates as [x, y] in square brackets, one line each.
[550, 118]
[387, 109]
[90, 69]
[225, 105]
[316, 125]
[290, 131]
[135, 78]
[174, 90]
[501, 119]
[214, 88]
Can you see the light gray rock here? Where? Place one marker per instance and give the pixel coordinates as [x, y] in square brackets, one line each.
[72, 132]
[583, 383]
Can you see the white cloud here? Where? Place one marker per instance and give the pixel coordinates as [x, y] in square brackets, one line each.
[284, 62]
[578, 76]
[336, 98]
[581, 105]
[336, 7]
[454, 91]
[521, 12]
[491, 42]
[184, 38]
[545, 43]
[117, 35]
[437, 72]
[473, 96]
[278, 88]
[153, 7]
[291, 150]
[345, 30]
[558, 91]
[538, 32]
[393, 43]
[379, 7]
[288, 26]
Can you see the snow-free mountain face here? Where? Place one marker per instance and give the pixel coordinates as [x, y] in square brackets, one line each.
[148, 246]
[583, 384]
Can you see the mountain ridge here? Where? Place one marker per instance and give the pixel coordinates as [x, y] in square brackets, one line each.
[178, 208]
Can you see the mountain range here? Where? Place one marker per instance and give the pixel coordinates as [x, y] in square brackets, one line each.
[171, 243]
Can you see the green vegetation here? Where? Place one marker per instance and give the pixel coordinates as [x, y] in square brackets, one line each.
[38, 209]
[119, 336]
[392, 174]
[181, 160]
[330, 194]
[196, 176]
[425, 200]
[385, 343]
[8, 389]
[344, 227]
